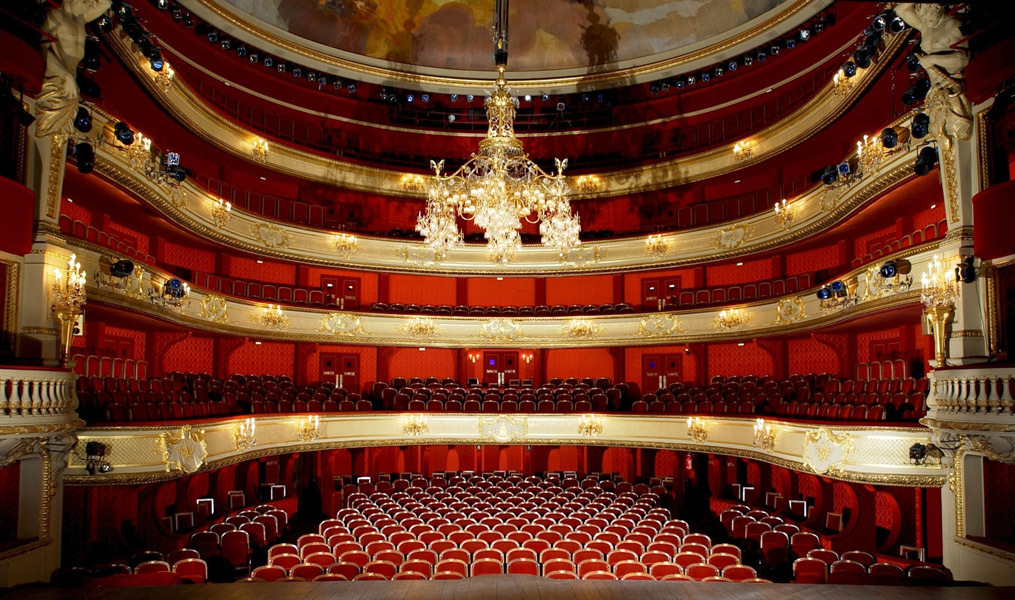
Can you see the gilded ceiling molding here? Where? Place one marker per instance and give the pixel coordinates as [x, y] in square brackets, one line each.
[769, 317]
[253, 233]
[193, 112]
[877, 455]
[347, 64]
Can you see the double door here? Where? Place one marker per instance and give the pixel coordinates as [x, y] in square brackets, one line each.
[660, 371]
[499, 367]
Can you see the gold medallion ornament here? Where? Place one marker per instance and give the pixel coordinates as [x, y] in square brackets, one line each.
[503, 428]
[580, 329]
[500, 330]
[729, 238]
[660, 325]
[342, 325]
[789, 310]
[215, 309]
[184, 452]
[421, 327]
[825, 451]
[271, 236]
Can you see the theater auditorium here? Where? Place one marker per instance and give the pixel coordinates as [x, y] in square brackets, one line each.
[506, 299]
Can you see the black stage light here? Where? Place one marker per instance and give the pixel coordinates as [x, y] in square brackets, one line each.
[921, 125]
[123, 133]
[879, 23]
[849, 68]
[829, 175]
[895, 22]
[889, 269]
[121, 268]
[824, 293]
[88, 87]
[925, 160]
[241, 51]
[84, 154]
[83, 120]
[91, 60]
[173, 287]
[889, 138]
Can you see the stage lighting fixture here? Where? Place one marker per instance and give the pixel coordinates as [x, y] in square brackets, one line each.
[83, 120]
[838, 288]
[269, 62]
[849, 68]
[84, 154]
[889, 269]
[87, 87]
[311, 76]
[824, 293]
[691, 79]
[732, 65]
[104, 23]
[718, 72]
[844, 168]
[121, 268]
[921, 125]
[748, 60]
[705, 76]
[123, 133]
[913, 63]
[917, 453]
[895, 23]
[91, 60]
[775, 49]
[653, 88]
[226, 44]
[804, 35]
[790, 43]
[585, 97]
[761, 55]
[679, 83]
[156, 62]
[410, 98]
[241, 51]
[162, 4]
[966, 270]
[665, 86]
[173, 287]
[879, 23]
[254, 57]
[351, 88]
[178, 173]
[925, 160]
[889, 138]
[829, 175]
[134, 31]
[281, 67]
[561, 105]
[297, 72]
[916, 92]
[424, 97]
[469, 98]
[213, 36]
[337, 84]
[862, 57]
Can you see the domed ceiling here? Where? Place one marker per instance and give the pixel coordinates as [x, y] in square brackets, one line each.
[549, 39]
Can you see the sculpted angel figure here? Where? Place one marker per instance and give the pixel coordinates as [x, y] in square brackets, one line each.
[58, 101]
[944, 54]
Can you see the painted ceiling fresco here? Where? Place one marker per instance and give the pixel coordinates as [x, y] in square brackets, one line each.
[544, 34]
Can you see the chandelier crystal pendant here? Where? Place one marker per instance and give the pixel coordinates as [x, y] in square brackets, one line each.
[499, 186]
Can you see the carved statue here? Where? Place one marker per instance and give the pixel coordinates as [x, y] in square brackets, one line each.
[57, 103]
[944, 55]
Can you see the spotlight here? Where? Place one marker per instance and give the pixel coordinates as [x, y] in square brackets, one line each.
[351, 88]
[913, 63]
[311, 76]
[680, 83]
[829, 175]
[156, 62]
[762, 55]
[732, 65]
[451, 118]
[849, 68]
[838, 289]
[226, 44]
[469, 98]
[917, 453]
[297, 72]
[561, 105]
[134, 31]
[775, 49]
[213, 36]
[528, 98]
[872, 41]
[889, 138]
[718, 72]
[916, 92]
[337, 84]
[83, 120]
[653, 88]
[545, 98]
[424, 97]
[585, 97]
[925, 160]
[281, 67]
[804, 35]
[241, 51]
[862, 57]
[748, 60]
[966, 270]
[665, 86]
[123, 133]
[95, 461]
[269, 62]
[895, 23]
[174, 288]
[121, 268]
[104, 23]
[87, 86]
[844, 168]
[91, 61]
[824, 293]
[178, 173]
[84, 154]
[254, 57]
[879, 23]
[705, 76]
[889, 269]
[162, 4]
[188, 21]
[691, 79]
[454, 97]
[921, 125]
[410, 98]
[173, 159]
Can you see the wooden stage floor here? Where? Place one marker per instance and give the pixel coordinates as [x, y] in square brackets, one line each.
[513, 587]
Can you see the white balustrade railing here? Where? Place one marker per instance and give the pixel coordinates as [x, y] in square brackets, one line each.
[36, 392]
[983, 390]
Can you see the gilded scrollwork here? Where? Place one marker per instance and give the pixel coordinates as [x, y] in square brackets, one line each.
[420, 327]
[581, 329]
[729, 238]
[825, 451]
[659, 325]
[342, 325]
[272, 236]
[500, 330]
[789, 310]
[504, 428]
[215, 308]
[185, 451]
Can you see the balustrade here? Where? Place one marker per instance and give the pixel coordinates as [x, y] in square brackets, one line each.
[36, 392]
[982, 390]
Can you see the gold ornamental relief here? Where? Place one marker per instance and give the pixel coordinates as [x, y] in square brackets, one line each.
[342, 325]
[581, 329]
[272, 236]
[421, 327]
[184, 452]
[789, 310]
[215, 309]
[500, 330]
[503, 428]
[659, 325]
[582, 256]
[825, 451]
[729, 238]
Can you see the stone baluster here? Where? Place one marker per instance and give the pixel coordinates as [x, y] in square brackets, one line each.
[1006, 398]
[34, 385]
[15, 401]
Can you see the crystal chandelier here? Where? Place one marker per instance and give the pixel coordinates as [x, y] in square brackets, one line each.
[499, 185]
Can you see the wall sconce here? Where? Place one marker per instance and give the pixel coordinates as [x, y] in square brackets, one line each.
[729, 319]
[527, 357]
[743, 150]
[309, 429]
[939, 294]
[411, 182]
[164, 78]
[586, 184]
[764, 437]
[784, 212]
[221, 212]
[590, 425]
[273, 317]
[244, 434]
[841, 85]
[415, 424]
[69, 299]
[657, 245]
[259, 150]
[473, 357]
[346, 245]
[696, 429]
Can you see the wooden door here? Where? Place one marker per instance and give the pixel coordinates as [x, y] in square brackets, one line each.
[651, 373]
[349, 295]
[348, 372]
[650, 294]
[499, 367]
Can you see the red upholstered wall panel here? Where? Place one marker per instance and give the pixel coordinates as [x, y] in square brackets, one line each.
[930, 215]
[866, 343]
[128, 235]
[420, 289]
[730, 359]
[433, 362]
[246, 268]
[825, 257]
[999, 510]
[619, 460]
[193, 355]
[76, 211]
[730, 274]
[584, 362]
[810, 356]
[268, 358]
[579, 290]
[874, 240]
[510, 291]
[137, 337]
[187, 256]
[19, 210]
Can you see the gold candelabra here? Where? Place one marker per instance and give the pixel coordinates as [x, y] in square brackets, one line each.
[657, 245]
[784, 213]
[272, 317]
[764, 437]
[259, 150]
[139, 153]
[841, 85]
[221, 212]
[743, 150]
[346, 245]
[308, 429]
[586, 184]
[730, 319]
[415, 424]
[411, 182]
[697, 430]
[164, 78]
[939, 295]
[590, 425]
[869, 154]
[244, 434]
[69, 298]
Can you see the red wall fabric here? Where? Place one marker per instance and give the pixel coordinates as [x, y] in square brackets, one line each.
[730, 274]
[75, 211]
[731, 359]
[510, 291]
[420, 289]
[874, 240]
[186, 256]
[10, 483]
[191, 355]
[19, 211]
[810, 356]
[583, 362]
[825, 257]
[246, 268]
[580, 290]
[131, 237]
[367, 362]
[998, 508]
[137, 337]
[411, 362]
[267, 358]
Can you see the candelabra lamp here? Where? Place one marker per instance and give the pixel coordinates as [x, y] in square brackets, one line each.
[939, 294]
[221, 212]
[728, 320]
[346, 245]
[764, 437]
[308, 429]
[743, 150]
[415, 424]
[657, 245]
[273, 317]
[590, 425]
[697, 430]
[259, 150]
[784, 213]
[68, 303]
[244, 434]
